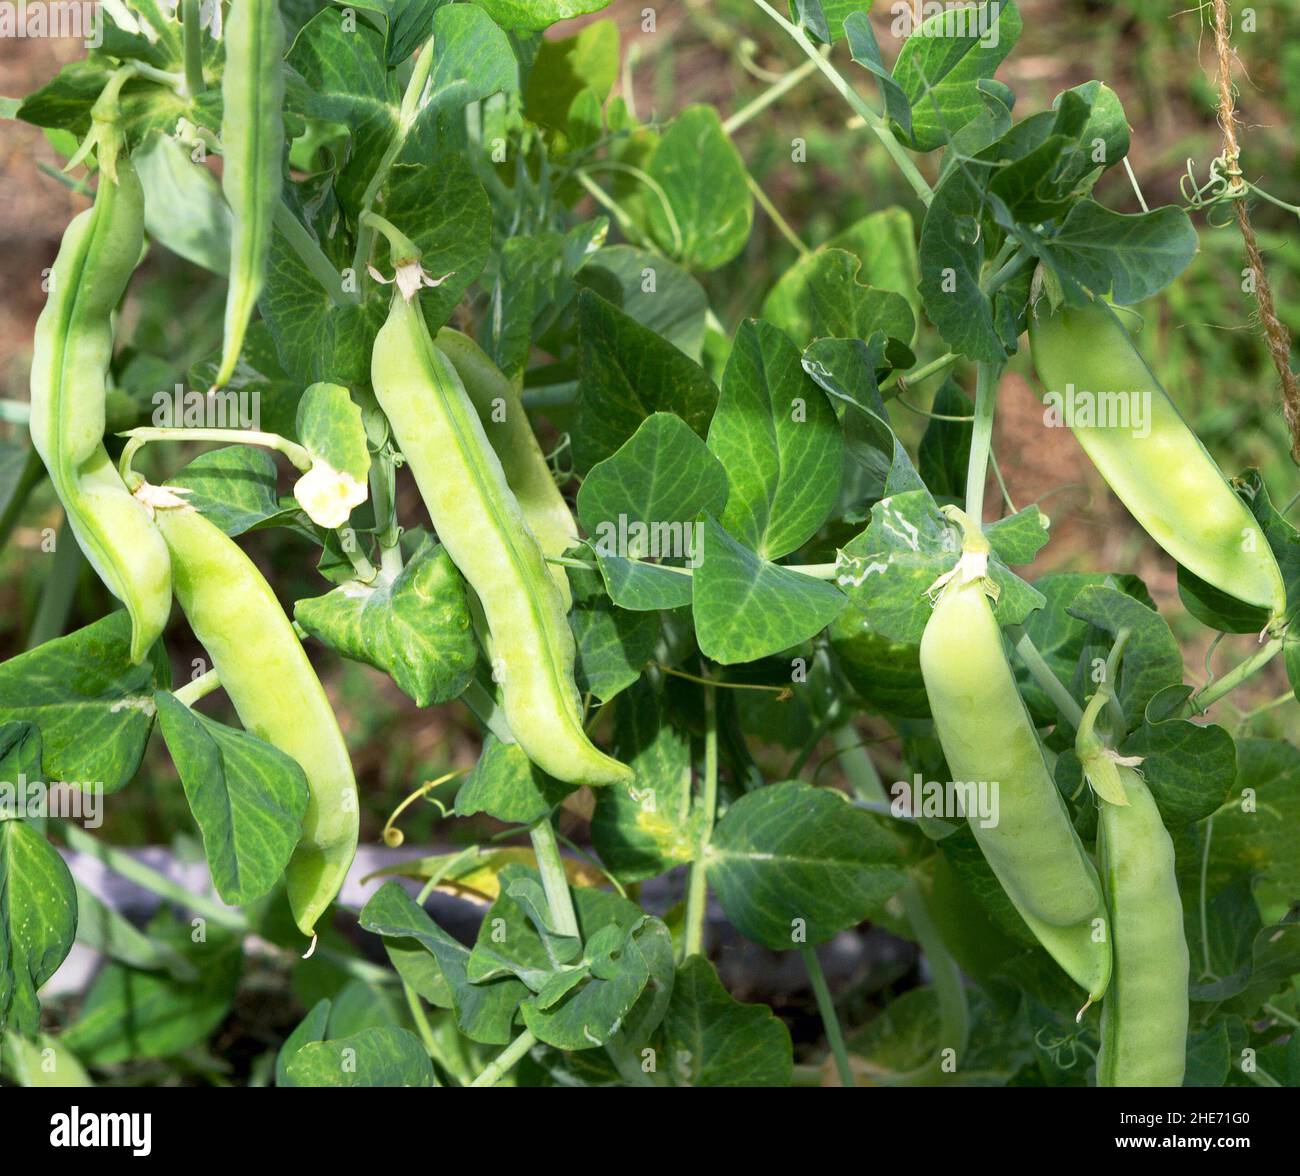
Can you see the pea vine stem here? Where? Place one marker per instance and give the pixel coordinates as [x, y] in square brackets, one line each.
[781, 86]
[697, 889]
[1202, 700]
[954, 1014]
[981, 443]
[1042, 674]
[506, 1060]
[554, 880]
[896, 150]
[191, 17]
[406, 116]
[830, 1020]
[139, 438]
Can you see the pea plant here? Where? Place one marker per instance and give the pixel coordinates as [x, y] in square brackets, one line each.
[784, 664]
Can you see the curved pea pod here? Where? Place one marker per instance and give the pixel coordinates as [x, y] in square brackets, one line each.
[987, 735]
[1157, 467]
[480, 523]
[500, 408]
[252, 145]
[275, 692]
[1144, 1016]
[69, 386]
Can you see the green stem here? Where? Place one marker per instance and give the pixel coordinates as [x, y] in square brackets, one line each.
[1005, 273]
[410, 108]
[506, 1060]
[1202, 700]
[123, 864]
[485, 709]
[58, 591]
[1048, 682]
[193, 34]
[554, 880]
[954, 1013]
[881, 128]
[139, 438]
[781, 86]
[313, 256]
[774, 215]
[697, 893]
[981, 442]
[28, 478]
[924, 372]
[422, 1025]
[625, 222]
[830, 1020]
[197, 688]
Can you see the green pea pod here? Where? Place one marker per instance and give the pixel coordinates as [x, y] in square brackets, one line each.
[69, 385]
[1165, 476]
[1144, 1015]
[275, 692]
[485, 532]
[987, 735]
[501, 410]
[252, 144]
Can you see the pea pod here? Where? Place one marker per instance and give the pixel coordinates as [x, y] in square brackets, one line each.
[1166, 478]
[987, 735]
[1144, 1016]
[501, 410]
[480, 523]
[275, 692]
[252, 143]
[69, 383]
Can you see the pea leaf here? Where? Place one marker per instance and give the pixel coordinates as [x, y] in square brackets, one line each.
[538, 14]
[132, 1014]
[311, 1028]
[379, 1056]
[656, 292]
[507, 785]
[614, 644]
[183, 209]
[746, 608]
[38, 921]
[248, 798]
[942, 62]
[484, 1012]
[822, 294]
[414, 626]
[711, 1039]
[93, 707]
[646, 827]
[643, 500]
[627, 372]
[568, 66]
[233, 487]
[793, 864]
[710, 209]
[778, 439]
[1130, 256]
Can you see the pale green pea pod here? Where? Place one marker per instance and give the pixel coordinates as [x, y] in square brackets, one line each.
[1165, 476]
[252, 143]
[480, 523]
[500, 408]
[1144, 1016]
[987, 735]
[275, 692]
[69, 383]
